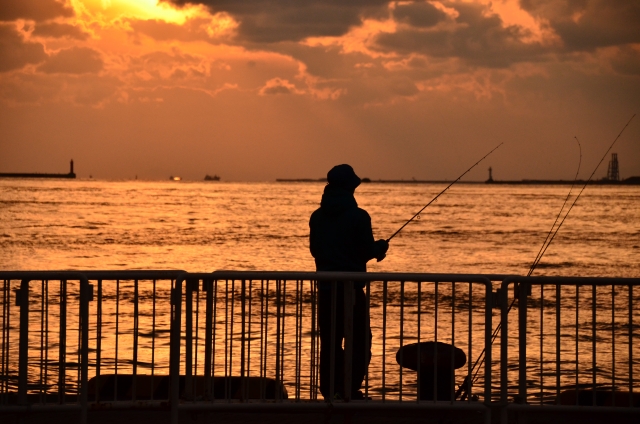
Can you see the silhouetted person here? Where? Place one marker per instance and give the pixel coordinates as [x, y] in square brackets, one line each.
[341, 239]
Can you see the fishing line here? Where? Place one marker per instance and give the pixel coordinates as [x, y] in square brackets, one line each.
[551, 234]
[464, 387]
[438, 195]
[545, 246]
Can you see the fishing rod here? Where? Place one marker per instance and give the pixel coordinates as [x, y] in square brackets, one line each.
[447, 188]
[465, 386]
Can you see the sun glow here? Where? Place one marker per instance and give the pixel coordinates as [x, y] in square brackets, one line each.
[138, 9]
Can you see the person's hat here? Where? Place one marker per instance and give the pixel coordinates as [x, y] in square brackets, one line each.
[343, 176]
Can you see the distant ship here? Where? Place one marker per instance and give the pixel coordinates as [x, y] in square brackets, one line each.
[210, 178]
[172, 178]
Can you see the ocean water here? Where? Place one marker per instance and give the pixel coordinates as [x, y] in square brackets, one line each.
[204, 226]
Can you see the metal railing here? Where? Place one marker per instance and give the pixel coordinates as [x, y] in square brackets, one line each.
[74, 338]
[572, 345]
[249, 341]
[45, 339]
[262, 327]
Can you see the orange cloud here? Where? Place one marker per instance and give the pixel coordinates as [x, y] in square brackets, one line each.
[75, 60]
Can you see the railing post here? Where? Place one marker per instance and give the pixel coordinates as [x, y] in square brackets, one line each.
[523, 294]
[504, 349]
[207, 287]
[188, 342]
[349, 300]
[85, 298]
[174, 349]
[488, 334]
[22, 300]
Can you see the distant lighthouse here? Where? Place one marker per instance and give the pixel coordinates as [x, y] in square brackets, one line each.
[71, 174]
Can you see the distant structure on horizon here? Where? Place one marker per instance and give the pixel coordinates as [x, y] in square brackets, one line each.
[613, 173]
[613, 177]
[71, 174]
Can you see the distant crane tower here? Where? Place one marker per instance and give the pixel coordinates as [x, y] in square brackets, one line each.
[613, 174]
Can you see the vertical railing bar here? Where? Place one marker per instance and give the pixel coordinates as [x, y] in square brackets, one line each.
[541, 343]
[523, 315]
[367, 337]
[284, 304]
[332, 359]
[613, 342]
[278, 327]
[115, 377]
[136, 326]
[98, 334]
[4, 383]
[62, 352]
[249, 330]
[384, 339]
[153, 336]
[593, 342]
[231, 332]
[435, 345]
[558, 339]
[419, 358]
[196, 357]
[188, 339]
[243, 323]
[214, 341]
[46, 337]
[175, 357]
[23, 343]
[577, 340]
[312, 368]
[401, 336]
[488, 357]
[226, 340]
[469, 387]
[452, 371]
[84, 348]
[43, 346]
[262, 358]
[79, 341]
[630, 344]
[263, 382]
[298, 347]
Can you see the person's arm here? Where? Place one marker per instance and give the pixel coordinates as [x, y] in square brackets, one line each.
[370, 248]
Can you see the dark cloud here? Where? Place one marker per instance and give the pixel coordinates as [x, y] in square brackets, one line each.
[476, 36]
[37, 10]
[15, 53]
[418, 14]
[589, 24]
[75, 60]
[268, 21]
[58, 30]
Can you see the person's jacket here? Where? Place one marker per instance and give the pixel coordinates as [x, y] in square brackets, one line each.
[341, 238]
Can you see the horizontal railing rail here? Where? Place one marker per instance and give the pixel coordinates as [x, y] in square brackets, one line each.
[574, 344]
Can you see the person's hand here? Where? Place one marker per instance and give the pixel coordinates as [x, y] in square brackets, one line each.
[382, 246]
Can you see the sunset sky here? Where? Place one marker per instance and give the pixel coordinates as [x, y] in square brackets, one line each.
[254, 90]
